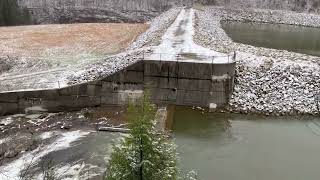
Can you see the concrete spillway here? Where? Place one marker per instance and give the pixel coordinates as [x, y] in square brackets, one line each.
[170, 82]
[189, 75]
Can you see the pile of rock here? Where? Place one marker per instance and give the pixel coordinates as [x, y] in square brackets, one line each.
[134, 52]
[157, 28]
[109, 66]
[5, 65]
[268, 81]
[275, 87]
[269, 16]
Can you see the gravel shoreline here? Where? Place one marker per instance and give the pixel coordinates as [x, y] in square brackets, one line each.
[268, 81]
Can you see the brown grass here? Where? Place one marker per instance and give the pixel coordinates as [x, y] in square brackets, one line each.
[67, 40]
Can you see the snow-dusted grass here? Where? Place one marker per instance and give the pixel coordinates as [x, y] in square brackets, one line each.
[65, 44]
[43, 56]
[94, 67]
[12, 170]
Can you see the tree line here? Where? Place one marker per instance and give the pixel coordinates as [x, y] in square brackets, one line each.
[11, 14]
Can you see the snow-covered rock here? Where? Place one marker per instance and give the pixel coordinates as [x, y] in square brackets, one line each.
[268, 81]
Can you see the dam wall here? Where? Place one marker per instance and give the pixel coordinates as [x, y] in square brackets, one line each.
[169, 82]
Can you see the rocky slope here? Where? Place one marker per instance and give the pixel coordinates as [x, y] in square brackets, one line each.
[69, 11]
[268, 81]
[135, 52]
[312, 6]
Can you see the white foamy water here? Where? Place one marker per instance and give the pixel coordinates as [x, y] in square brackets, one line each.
[12, 170]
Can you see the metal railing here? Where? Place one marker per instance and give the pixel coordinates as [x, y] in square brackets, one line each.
[194, 57]
[182, 57]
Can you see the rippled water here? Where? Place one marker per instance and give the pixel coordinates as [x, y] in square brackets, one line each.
[216, 145]
[241, 147]
[83, 157]
[293, 38]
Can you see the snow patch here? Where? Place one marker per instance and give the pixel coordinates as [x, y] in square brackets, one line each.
[47, 135]
[12, 170]
[6, 121]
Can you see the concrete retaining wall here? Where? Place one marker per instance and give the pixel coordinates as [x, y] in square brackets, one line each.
[169, 82]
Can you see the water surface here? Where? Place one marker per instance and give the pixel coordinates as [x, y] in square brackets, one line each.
[299, 39]
[240, 147]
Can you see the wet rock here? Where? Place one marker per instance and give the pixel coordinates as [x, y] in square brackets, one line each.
[66, 126]
[20, 142]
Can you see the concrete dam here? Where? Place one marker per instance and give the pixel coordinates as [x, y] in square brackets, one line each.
[178, 72]
[169, 82]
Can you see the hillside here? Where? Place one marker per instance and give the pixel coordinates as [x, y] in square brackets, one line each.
[70, 11]
[83, 11]
[26, 49]
[312, 6]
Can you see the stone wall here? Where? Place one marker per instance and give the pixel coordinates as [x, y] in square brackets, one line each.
[179, 83]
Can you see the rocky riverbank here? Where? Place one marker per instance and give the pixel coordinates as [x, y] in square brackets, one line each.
[268, 81]
[22, 132]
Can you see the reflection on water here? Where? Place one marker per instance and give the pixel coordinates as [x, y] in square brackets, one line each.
[240, 147]
[293, 38]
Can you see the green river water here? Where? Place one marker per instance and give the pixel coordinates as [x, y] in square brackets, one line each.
[299, 39]
[240, 147]
[218, 146]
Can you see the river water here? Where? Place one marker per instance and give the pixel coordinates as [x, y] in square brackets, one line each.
[241, 147]
[218, 146]
[299, 39]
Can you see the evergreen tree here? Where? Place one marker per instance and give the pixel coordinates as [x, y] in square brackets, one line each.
[11, 14]
[145, 154]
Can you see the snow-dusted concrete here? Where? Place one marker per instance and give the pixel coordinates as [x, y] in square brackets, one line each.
[177, 43]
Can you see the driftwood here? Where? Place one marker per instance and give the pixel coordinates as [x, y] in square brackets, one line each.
[113, 129]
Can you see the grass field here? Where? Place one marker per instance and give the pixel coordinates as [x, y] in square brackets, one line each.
[48, 46]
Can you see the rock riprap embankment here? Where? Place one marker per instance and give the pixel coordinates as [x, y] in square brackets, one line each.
[271, 86]
[134, 52]
[158, 26]
[105, 68]
[268, 81]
